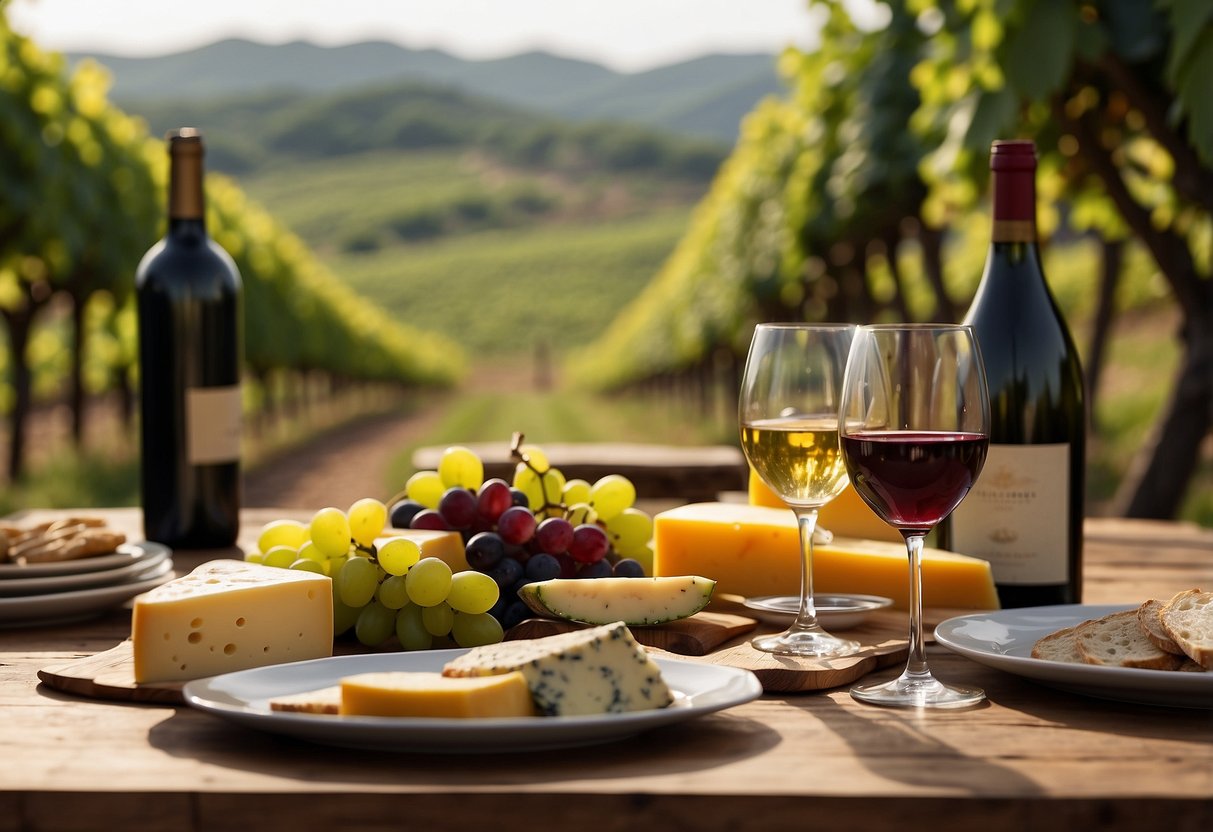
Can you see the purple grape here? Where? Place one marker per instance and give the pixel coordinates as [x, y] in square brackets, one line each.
[590, 544]
[568, 566]
[403, 513]
[543, 567]
[517, 586]
[597, 569]
[498, 609]
[554, 535]
[458, 507]
[628, 568]
[494, 497]
[505, 572]
[516, 525]
[430, 519]
[515, 613]
[519, 498]
[484, 551]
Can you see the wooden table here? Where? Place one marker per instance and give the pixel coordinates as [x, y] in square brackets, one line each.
[1030, 759]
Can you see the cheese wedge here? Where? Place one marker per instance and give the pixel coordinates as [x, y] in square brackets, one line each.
[435, 695]
[446, 546]
[755, 550]
[230, 615]
[634, 601]
[847, 515]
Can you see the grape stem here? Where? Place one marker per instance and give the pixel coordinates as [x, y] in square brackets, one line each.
[517, 453]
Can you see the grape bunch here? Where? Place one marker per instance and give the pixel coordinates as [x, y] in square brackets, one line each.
[540, 526]
[386, 588]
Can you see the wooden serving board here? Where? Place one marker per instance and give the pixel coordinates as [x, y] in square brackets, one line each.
[109, 675]
[695, 636]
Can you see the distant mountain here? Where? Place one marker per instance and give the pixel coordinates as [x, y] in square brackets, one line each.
[705, 97]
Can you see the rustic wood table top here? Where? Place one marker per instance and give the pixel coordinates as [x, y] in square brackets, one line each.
[1031, 758]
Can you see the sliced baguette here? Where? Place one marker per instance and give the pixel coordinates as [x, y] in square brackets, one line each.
[1117, 640]
[1058, 647]
[323, 701]
[1148, 618]
[1188, 620]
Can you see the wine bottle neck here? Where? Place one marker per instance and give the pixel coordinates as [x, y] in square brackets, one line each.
[186, 199]
[1013, 167]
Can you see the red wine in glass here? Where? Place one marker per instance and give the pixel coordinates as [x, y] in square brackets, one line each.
[914, 479]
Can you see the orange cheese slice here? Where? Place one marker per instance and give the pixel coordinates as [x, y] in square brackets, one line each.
[755, 550]
[446, 546]
[435, 695]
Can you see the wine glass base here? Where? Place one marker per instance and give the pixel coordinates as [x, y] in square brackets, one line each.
[918, 692]
[813, 644]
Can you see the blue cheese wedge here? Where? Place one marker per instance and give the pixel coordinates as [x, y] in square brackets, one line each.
[586, 672]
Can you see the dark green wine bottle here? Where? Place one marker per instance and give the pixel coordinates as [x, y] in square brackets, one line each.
[1025, 513]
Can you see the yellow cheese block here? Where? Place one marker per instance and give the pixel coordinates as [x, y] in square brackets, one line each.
[230, 615]
[435, 695]
[446, 546]
[755, 550]
[846, 515]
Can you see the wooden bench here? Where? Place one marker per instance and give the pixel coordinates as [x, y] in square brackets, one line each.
[658, 471]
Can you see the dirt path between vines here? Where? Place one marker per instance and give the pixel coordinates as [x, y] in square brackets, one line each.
[351, 461]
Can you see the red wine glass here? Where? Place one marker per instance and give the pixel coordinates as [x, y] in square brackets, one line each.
[914, 426]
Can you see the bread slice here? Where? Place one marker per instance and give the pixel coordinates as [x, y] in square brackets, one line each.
[1117, 640]
[1058, 647]
[1147, 617]
[1188, 620]
[323, 701]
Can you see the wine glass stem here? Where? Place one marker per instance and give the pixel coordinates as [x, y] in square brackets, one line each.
[916, 663]
[806, 520]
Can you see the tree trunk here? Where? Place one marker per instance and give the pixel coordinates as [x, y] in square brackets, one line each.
[18, 339]
[900, 305]
[931, 240]
[1113, 252]
[76, 391]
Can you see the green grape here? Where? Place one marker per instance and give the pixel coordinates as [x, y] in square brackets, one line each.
[335, 564]
[461, 468]
[476, 630]
[581, 513]
[357, 582]
[290, 533]
[280, 556]
[575, 491]
[253, 557]
[411, 630]
[344, 616]
[428, 582]
[375, 624]
[303, 565]
[473, 592]
[310, 551]
[630, 531]
[367, 519]
[611, 495]
[425, 487]
[398, 555]
[536, 456]
[392, 592]
[437, 619]
[330, 530]
[539, 489]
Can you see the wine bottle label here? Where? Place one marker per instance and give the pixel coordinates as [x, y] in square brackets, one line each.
[1015, 516]
[212, 424]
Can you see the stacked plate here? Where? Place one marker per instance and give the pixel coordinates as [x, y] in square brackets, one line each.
[45, 593]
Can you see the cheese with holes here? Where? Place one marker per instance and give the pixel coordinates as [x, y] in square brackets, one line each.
[230, 615]
[596, 671]
[755, 550]
[435, 695]
[446, 546]
[847, 515]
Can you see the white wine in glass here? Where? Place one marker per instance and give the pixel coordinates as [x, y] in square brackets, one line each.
[788, 410]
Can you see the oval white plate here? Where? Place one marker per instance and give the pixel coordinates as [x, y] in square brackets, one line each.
[57, 607]
[125, 555]
[1003, 639]
[243, 697]
[834, 611]
[153, 555]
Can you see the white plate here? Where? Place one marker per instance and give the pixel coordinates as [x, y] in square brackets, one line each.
[125, 555]
[834, 611]
[155, 555]
[1004, 639]
[243, 697]
[58, 607]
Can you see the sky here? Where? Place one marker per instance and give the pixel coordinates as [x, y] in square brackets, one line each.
[627, 35]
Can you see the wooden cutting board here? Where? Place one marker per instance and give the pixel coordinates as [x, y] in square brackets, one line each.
[695, 636]
[109, 675]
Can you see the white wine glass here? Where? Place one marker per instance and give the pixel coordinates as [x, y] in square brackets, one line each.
[788, 410]
[915, 428]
